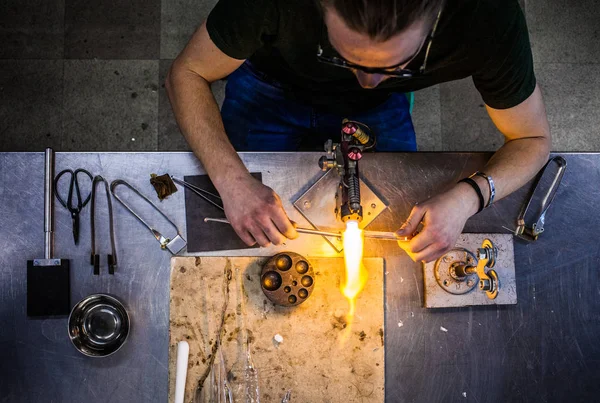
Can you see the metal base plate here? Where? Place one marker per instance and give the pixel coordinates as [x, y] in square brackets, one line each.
[318, 205]
[437, 297]
[446, 276]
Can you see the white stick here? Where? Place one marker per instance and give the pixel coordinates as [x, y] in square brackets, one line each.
[183, 351]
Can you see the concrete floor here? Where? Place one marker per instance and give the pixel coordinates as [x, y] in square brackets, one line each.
[88, 76]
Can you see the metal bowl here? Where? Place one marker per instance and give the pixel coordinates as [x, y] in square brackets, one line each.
[98, 325]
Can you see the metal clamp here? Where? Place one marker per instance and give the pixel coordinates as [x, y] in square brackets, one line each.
[458, 270]
[532, 233]
[95, 258]
[488, 281]
[174, 245]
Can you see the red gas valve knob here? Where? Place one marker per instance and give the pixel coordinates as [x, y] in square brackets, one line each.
[349, 128]
[354, 154]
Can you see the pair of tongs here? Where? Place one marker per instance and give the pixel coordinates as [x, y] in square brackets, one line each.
[204, 194]
[95, 258]
[174, 245]
[530, 230]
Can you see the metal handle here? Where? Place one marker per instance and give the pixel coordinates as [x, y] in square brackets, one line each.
[48, 199]
[164, 242]
[537, 227]
[112, 258]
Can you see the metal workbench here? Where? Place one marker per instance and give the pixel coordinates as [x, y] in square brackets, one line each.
[544, 349]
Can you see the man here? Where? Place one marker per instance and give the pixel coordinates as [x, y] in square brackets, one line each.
[297, 66]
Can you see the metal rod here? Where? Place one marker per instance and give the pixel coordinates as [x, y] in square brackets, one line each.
[383, 236]
[300, 230]
[317, 232]
[198, 191]
[48, 199]
[184, 183]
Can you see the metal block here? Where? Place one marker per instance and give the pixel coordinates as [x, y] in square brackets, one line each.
[176, 244]
[440, 295]
[318, 206]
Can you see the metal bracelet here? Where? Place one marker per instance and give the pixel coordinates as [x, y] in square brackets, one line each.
[477, 190]
[490, 182]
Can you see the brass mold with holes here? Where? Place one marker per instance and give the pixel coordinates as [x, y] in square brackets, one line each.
[287, 279]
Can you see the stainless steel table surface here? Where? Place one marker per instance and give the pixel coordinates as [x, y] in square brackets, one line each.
[546, 348]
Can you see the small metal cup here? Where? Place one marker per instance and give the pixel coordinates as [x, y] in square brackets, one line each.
[98, 325]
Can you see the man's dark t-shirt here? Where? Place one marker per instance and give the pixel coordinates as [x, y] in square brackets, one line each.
[485, 39]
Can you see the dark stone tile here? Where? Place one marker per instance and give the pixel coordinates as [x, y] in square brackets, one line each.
[466, 126]
[427, 119]
[571, 95]
[31, 29]
[179, 20]
[169, 136]
[108, 29]
[30, 104]
[564, 32]
[110, 105]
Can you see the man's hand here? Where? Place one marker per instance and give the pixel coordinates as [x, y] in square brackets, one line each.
[256, 213]
[525, 151]
[443, 217]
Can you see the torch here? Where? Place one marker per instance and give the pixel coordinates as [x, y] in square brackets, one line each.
[344, 156]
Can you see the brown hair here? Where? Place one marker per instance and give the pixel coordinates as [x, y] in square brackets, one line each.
[382, 19]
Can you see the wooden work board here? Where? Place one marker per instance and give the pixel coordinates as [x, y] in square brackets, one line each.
[322, 357]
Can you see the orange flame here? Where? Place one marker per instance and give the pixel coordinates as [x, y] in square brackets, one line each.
[356, 275]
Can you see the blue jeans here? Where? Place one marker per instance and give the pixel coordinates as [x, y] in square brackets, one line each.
[258, 117]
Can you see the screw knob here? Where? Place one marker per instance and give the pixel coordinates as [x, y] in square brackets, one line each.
[325, 163]
[349, 128]
[354, 154]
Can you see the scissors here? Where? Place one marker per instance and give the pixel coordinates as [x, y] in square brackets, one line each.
[73, 185]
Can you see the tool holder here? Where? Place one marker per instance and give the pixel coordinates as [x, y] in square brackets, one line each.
[48, 279]
[174, 245]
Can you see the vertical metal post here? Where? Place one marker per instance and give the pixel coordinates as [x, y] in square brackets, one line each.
[48, 202]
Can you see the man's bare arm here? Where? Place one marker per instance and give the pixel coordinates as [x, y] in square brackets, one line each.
[526, 148]
[197, 112]
[253, 209]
